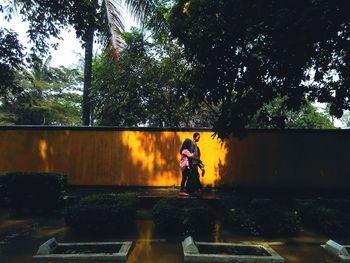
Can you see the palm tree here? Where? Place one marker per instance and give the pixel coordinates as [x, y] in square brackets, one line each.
[47, 18]
[140, 9]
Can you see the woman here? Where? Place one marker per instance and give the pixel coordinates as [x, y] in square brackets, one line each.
[185, 165]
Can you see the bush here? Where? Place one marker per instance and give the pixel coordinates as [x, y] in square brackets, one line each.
[3, 189]
[241, 221]
[129, 200]
[263, 217]
[199, 220]
[106, 213]
[326, 217]
[183, 216]
[168, 216]
[276, 222]
[42, 191]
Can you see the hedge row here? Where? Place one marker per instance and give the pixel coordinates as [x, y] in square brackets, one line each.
[3, 189]
[106, 213]
[112, 213]
[183, 216]
[328, 217]
[261, 217]
[39, 191]
[266, 217]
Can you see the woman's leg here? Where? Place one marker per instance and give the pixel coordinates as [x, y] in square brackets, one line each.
[183, 180]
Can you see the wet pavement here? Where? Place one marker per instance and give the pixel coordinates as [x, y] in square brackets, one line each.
[20, 239]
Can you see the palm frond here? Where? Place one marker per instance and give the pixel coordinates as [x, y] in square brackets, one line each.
[146, 10]
[143, 11]
[114, 17]
[139, 8]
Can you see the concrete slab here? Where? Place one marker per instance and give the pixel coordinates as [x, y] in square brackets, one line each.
[260, 254]
[48, 252]
[341, 252]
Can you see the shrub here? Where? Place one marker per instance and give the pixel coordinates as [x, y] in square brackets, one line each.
[325, 218]
[183, 216]
[241, 221]
[3, 189]
[43, 191]
[263, 217]
[168, 216]
[199, 220]
[129, 200]
[106, 213]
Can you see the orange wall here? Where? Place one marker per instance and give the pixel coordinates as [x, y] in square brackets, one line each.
[151, 158]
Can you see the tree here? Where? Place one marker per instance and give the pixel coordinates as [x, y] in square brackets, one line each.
[309, 118]
[145, 88]
[271, 115]
[244, 54]
[11, 59]
[48, 18]
[48, 96]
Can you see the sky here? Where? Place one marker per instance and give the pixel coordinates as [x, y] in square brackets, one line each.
[69, 49]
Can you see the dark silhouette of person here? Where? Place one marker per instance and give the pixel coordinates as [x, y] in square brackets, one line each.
[185, 165]
[194, 183]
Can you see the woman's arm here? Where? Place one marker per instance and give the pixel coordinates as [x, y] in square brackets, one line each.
[187, 153]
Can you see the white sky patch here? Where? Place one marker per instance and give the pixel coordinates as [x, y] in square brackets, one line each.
[69, 50]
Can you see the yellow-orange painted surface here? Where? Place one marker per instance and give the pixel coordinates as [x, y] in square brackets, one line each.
[151, 158]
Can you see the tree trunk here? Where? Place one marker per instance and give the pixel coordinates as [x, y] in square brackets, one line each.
[88, 76]
[89, 42]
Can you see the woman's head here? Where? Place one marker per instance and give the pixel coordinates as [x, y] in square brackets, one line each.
[186, 145]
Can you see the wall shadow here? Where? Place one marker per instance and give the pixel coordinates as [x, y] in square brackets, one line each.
[154, 157]
[287, 160]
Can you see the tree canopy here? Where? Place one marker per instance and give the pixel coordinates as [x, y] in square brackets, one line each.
[229, 64]
[89, 17]
[45, 96]
[145, 87]
[307, 117]
[11, 59]
[244, 54]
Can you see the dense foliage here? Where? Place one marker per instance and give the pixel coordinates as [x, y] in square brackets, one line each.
[270, 116]
[146, 87]
[3, 189]
[39, 191]
[105, 213]
[235, 64]
[47, 19]
[329, 217]
[11, 60]
[261, 217]
[45, 96]
[246, 53]
[188, 217]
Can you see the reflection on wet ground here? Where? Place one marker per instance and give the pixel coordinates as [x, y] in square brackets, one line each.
[20, 239]
[156, 252]
[303, 253]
